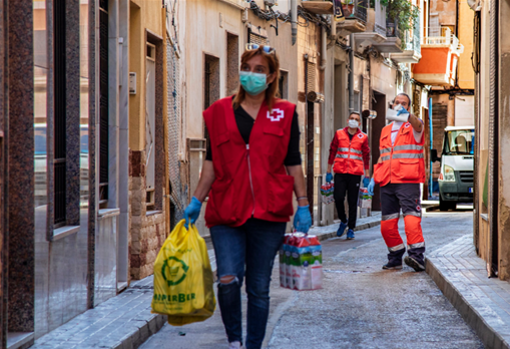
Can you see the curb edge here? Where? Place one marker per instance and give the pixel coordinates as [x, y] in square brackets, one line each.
[488, 335]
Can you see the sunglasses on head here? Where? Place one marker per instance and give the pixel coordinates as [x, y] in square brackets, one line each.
[265, 48]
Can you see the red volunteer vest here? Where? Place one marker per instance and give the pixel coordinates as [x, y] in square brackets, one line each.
[402, 162]
[349, 156]
[251, 179]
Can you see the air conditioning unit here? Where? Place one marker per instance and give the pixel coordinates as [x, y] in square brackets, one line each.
[270, 3]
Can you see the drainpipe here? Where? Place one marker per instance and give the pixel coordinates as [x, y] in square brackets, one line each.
[293, 13]
[431, 180]
[324, 49]
[457, 35]
[351, 74]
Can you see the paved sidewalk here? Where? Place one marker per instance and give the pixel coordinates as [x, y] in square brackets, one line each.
[483, 302]
[122, 322]
[125, 321]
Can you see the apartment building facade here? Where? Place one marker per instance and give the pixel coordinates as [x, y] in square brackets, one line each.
[66, 131]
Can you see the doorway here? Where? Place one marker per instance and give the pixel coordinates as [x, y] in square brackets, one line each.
[150, 120]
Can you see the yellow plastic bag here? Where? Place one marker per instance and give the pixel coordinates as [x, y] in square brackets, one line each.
[183, 279]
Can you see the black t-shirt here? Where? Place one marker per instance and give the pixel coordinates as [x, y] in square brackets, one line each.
[245, 124]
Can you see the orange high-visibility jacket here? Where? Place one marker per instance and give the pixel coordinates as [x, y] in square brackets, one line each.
[402, 162]
[349, 155]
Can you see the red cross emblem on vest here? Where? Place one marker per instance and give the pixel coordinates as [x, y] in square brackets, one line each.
[275, 115]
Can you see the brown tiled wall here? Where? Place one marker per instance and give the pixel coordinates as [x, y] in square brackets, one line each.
[147, 233]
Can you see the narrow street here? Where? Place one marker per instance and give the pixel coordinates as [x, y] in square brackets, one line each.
[360, 306]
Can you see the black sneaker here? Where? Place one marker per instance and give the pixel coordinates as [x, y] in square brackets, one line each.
[392, 266]
[413, 263]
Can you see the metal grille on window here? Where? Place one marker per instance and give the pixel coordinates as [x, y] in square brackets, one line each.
[256, 39]
[60, 112]
[179, 198]
[103, 103]
[310, 82]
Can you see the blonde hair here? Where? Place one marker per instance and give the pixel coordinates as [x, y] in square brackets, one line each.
[272, 92]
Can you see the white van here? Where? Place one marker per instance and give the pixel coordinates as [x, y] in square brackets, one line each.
[457, 163]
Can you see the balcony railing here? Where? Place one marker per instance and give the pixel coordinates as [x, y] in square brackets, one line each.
[412, 40]
[392, 30]
[443, 36]
[380, 18]
[356, 9]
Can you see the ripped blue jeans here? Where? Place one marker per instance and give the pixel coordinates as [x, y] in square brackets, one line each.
[248, 250]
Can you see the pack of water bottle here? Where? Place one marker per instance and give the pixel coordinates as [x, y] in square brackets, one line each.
[365, 199]
[327, 191]
[301, 262]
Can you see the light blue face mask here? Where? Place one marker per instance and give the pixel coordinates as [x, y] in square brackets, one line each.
[253, 83]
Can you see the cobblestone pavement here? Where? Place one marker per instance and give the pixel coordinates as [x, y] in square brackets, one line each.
[360, 306]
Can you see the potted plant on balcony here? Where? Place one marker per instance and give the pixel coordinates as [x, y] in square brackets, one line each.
[401, 12]
[348, 7]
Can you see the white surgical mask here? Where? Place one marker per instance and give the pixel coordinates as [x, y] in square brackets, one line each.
[353, 123]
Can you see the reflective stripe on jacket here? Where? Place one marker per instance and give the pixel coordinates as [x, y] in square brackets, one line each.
[402, 162]
[349, 155]
[250, 179]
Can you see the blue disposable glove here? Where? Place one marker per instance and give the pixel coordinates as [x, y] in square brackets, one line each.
[192, 212]
[329, 177]
[402, 112]
[371, 186]
[366, 181]
[303, 219]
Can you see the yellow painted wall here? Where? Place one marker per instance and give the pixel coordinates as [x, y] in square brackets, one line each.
[466, 74]
[144, 15]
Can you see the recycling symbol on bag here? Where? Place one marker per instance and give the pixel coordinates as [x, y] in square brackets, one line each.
[176, 270]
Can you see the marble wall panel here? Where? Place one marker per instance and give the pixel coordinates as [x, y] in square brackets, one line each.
[105, 285]
[93, 111]
[21, 168]
[73, 111]
[61, 277]
[3, 176]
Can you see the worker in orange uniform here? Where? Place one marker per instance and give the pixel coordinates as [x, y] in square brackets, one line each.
[349, 155]
[399, 172]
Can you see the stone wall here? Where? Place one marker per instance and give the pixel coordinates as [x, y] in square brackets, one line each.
[147, 231]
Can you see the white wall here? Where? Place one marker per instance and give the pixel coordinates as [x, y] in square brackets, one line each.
[464, 110]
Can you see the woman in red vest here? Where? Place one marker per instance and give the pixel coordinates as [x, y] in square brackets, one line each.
[252, 168]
